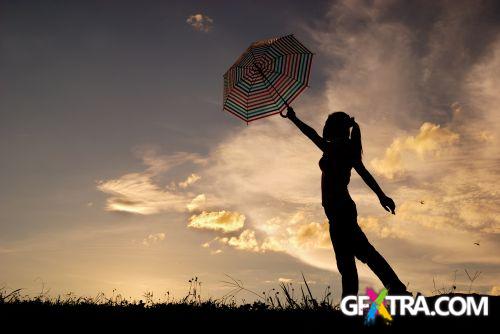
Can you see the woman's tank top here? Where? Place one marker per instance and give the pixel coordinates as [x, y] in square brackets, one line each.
[336, 164]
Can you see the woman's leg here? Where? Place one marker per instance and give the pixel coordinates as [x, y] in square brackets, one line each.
[346, 265]
[346, 261]
[378, 264]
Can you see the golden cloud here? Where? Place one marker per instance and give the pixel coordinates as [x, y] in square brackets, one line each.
[382, 230]
[271, 243]
[247, 241]
[224, 221]
[197, 203]
[281, 235]
[430, 139]
[312, 235]
[138, 193]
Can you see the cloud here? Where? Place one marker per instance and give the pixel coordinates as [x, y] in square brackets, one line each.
[197, 203]
[312, 235]
[223, 221]
[430, 139]
[248, 241]
[280, 236]
[190, 180]
[245, 241]
[136, 193]
[157, 163]
[382, 230]
[153, 238]
[271, 243]
[139, 193]
[463, 200]
[200, 22]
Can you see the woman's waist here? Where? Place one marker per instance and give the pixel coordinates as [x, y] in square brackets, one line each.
[336, 196]
[335, 180]
[340, 208]
[335, 189]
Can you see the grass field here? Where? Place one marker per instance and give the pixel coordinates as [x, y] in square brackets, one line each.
[283, 310]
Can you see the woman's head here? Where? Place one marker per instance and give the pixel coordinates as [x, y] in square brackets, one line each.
[337, 126]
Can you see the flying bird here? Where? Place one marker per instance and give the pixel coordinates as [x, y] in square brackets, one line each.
[422, 202]
[477, 243]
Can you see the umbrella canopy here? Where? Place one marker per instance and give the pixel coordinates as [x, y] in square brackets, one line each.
[266, 78]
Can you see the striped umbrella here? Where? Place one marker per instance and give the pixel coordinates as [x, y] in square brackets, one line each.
[266, 78]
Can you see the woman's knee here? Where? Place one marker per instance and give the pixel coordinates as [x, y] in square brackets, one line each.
[364, 249]
[346, 265]
[367, 253]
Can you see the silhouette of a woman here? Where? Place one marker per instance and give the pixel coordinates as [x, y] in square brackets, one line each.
[341, 153]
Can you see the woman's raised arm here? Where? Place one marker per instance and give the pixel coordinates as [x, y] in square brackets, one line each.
[306, 129]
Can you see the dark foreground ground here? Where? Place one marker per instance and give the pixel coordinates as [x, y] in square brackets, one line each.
[84, 316]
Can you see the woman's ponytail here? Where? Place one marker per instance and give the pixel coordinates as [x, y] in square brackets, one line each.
[356, 140]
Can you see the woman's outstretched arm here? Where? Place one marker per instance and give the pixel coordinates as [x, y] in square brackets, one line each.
[306, 129]
[386, 202]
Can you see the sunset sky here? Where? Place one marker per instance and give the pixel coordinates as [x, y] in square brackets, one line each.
[119, 169]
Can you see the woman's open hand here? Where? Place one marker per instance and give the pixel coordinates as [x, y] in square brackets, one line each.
[388, 204]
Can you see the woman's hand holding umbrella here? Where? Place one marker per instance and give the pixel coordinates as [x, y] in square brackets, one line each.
[290, 113]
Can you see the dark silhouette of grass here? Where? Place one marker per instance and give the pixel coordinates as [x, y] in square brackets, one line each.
[282, 309]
